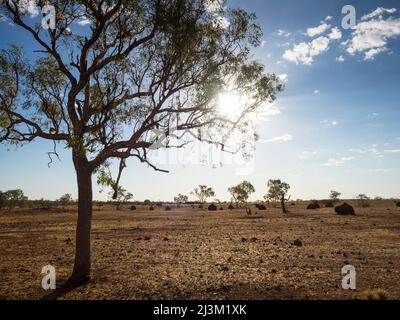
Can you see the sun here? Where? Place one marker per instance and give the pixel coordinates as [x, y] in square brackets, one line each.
[231, 104]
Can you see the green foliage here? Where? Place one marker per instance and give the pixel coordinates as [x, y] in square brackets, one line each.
[277, 189]
[65, 199]
[12, 198]
[142, 65]
[241, 192]
[334, 196]
[180, 198]
[363, 200]
[203, 193]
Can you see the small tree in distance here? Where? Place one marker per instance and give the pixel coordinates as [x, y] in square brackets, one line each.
[334, 196]
[12, 198]
[278, 189]
[180, 198]
[241, 192]
[123, 196]
[363, 200]
[65, 199]
[203, 193]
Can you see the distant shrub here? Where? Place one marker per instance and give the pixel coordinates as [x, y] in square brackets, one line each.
[167, 208]
[151, 208]
[221, 209]
[313, 205]
[133, 208]
[262, 207]
[363, 200]
[230, 207]
[159, 204]
[212, 207]
[329, 204]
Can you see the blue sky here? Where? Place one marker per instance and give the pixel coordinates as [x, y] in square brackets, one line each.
[335, 127]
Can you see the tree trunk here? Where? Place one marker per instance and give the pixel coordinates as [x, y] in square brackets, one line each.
[81, 271]
[283, 204]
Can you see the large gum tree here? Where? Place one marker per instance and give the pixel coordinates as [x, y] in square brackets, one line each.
[113, 74]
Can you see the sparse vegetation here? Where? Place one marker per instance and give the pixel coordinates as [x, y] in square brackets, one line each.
[241, 192]
[373, 294]
[278, 190]
[363, 200]
[12, 198]
[203, 192]
[334, 196]
[180, 199]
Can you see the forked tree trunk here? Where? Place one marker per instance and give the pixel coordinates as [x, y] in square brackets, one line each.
[81, 271]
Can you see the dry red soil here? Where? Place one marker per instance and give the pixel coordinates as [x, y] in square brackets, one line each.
[194, 254]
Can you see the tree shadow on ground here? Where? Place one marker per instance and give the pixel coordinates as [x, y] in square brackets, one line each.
[65, 288]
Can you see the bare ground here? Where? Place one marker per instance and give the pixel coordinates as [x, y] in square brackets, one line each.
[194, 254]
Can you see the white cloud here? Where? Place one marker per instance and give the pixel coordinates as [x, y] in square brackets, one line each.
[307, 154]
[316, 91]
[263, 43]
[392, 151]
[334, 162]
[340, 58]
[329, 123]
[312, 32]
[374, 151]
[283, 33]
[328, 18]
[373, 114]
[267, 110]
[84, 21]
[370, 54]
[283, 138]
[371, 36]
[304, 53]
[30, 7]
[283, 77]
[335, 34]
[378, 12]
[381, 170]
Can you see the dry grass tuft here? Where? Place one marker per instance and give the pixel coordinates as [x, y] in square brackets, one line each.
[373, 294]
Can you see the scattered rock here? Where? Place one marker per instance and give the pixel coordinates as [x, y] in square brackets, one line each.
[167, 208]
[212, 207]
[230, 207]
[345, 210]
[262, 207]
[151, 208]
[297, 243]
